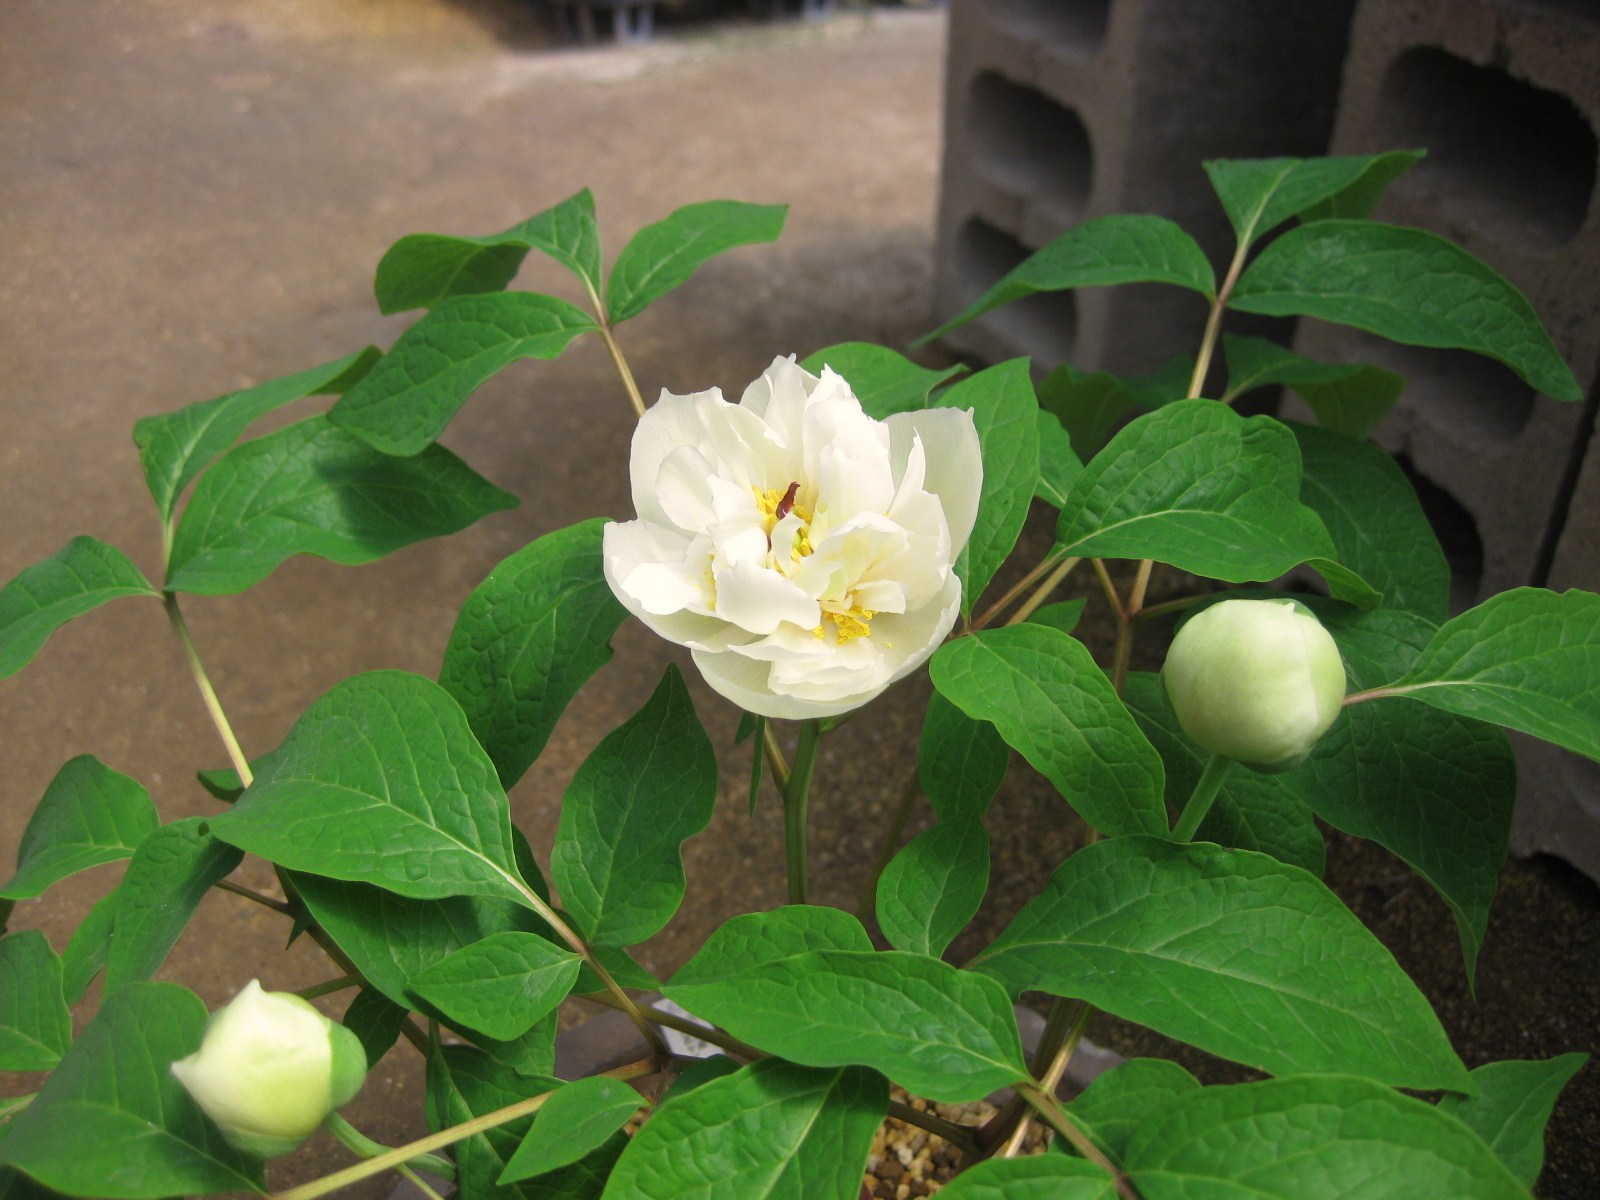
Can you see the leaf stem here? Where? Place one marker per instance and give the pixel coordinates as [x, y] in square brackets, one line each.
[329, 986]
[796, 803]
[238, 889]
[1200, 800]
[208, 694]
[1045, 1105]
[1168, 606]
[1208, 340]
[909, 795]
[1015, 590]
[445, 1137]
[1109, 588]
[359, 1144]
[684, 1025]
[622, 367]
[1066, 1044]
[1042, 593]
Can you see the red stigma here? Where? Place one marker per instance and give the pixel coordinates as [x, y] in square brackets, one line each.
[786, 505]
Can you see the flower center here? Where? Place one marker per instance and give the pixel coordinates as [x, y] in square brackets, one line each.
[848, 625]
[777, 503]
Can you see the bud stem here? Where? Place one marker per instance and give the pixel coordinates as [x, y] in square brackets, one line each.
[1200, 800]
[359, 1144]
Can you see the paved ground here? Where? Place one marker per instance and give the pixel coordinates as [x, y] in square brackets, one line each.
[193, 200]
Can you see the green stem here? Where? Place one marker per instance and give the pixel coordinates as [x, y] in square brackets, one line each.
[796, 801]
[1042, 593]
[621, 363]
[207, 693]
[1208, 341]
[1200, 800]
[1045, 1105]
[238, 889]
[1167, 606]
[359, 1144]
[390, 1159]
[1017, 589]
[329, 986]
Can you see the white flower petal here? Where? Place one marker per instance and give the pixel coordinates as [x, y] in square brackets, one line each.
[672, 422]
[758, 600]
[745, 682]
[954, 463]
[683, 490]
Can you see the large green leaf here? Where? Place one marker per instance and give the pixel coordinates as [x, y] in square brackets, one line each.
[1231, 951]
[934, 885]
[1003, 408]
[1043, 692]
[35, 1026]
[175, 447]
[1512, 1108]
[1349, 398]
[80, 577]
[1090, 405]
[1059, 464]
[1408, 286]
[1376, 523]
[502, 985]
[753, 939]
[89, 947]
[88, 815]
[961, 762]
[1528, 659]
[1313, 1137]
[1252, 811]
[406, 401]
[1117, 1103]
[315, 489]
[661, 256]
[1259, 194]
[1200, 487]
[578, 1119]
[1037, 1177]
[381, 781]
[885, 381]
[423, 269]
[169, 874]
[942, 1032]
[113, 1121]
[527, 639]
[771, 1131]
[1099, 253]
[649, 785]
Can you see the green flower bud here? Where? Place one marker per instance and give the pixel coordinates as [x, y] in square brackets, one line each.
[1258, 681]
[270, 1069]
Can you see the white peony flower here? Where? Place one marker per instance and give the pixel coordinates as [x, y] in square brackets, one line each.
[270, 1069]
[801, 549]
[1259, 681]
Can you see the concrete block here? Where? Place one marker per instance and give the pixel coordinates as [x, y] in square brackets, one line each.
[1060, 110]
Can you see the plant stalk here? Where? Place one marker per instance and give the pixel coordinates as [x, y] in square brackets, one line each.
[621, 363]
[1014, 591]
[1042, 593]
[1045, 1105]
[208, 694]
[796, 802]
[359, 1144]
[1200, 800]
[1208, 340]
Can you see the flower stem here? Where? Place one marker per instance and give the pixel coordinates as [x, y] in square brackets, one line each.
[776, 763]
[359, 1144]
[207, 693]
[796, 801]
[1200, 800]
[445, 1137]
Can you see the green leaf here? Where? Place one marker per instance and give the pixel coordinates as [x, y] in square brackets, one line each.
[527, 639]
[944, 1033]
[1325, 1137]
[422, 269]
[961, 762]
[381, 781]
[89, 947]
[754, 939]
[1262, 193]
[1528, 659]
[661, 256]
[82, 576]
[1003, 407]
[1231, 951]
[315, 489]
[885, 381]
[1039, 1177]
[1063, 615]
[113, 1121]
[35, 1026]
[405, 402]
[1408, 286]
[1059, 465]
[1199, 487]
[1361, 197]
[1118, 1102]
[169, 874]
[576, 1120]
[1376, 523]
[1252, 811]
[376, 1021]
[175, 447]
[771, 1131]
[89, 815]
[933, 887]
[1052, 704]
[501, 985]
[1348, 398]
[1512, 1107]
[1090, 405]
[649, 786]
[1099, 253]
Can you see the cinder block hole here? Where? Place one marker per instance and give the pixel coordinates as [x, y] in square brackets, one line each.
[1515, 159]
[1030, 145]
[1471, 398]
[1457, 532]
[1043, 325]
[1079, 24]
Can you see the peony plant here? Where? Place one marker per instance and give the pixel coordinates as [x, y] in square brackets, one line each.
[837, 530]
